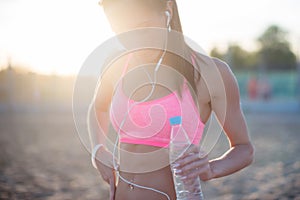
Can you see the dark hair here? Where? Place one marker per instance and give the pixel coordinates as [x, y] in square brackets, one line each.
[158, 5]
[183, 66]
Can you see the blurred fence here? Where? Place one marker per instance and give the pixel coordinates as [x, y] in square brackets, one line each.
[279, 85]
[29, 91]
[269, 92]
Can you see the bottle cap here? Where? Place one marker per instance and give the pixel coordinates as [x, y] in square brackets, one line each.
[175, 120]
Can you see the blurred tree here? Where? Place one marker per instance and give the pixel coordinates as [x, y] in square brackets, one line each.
[237, 57]
[216, 53]
[275, 52]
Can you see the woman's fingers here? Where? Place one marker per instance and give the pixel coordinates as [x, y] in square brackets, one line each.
[105, 166]
[193, 164]
[193, 149]
[106, 172]
[193, 169]
[191, 158]
[188, 159]
[190, 150]
[197, 172]
[105, 157]
[109, 177]
[112, 188]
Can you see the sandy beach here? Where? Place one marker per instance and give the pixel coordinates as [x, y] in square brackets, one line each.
[41, 157]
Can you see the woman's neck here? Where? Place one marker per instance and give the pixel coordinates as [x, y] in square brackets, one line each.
[148, 56]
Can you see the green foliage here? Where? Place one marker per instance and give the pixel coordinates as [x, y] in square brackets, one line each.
[216, 53]
[237, 57]
[274, 53]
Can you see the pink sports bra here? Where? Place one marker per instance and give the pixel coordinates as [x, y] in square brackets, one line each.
[147, 122]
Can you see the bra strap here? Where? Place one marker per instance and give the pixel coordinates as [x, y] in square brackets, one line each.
[129, 58]
[126, 64]
[194, 63]
[193, 59]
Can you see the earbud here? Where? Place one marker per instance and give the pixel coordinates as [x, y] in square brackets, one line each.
[169, 17]
[168, 14]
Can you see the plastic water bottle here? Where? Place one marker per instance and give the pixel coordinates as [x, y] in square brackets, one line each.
[179, 142]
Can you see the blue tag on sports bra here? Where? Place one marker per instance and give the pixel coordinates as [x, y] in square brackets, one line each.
[175, 120]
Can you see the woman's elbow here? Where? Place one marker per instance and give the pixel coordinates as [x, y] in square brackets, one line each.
[250, 152]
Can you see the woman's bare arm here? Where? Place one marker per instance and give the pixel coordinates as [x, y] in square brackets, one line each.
[241, 150]
[225, 103]
[102, 104]
[104, 158]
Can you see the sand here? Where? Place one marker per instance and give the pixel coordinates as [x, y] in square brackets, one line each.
[41, 157]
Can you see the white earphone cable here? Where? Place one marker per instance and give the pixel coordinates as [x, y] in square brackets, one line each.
[153, 83]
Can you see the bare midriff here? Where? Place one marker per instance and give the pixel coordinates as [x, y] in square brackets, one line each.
[147, 166]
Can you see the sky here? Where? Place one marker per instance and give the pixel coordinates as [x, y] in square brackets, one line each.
[56, 36]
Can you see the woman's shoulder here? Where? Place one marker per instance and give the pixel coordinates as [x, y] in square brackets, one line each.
[216, 73]
[227, 75]
[221, 65]
[211, 65]
[206, 62]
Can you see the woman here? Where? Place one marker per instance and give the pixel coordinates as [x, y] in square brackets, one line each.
[153, 171]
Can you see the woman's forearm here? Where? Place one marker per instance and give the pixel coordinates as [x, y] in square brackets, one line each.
[235, 159]
[103, 119]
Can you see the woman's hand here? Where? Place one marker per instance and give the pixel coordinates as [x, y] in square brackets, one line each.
[105, 167]
[194, 163]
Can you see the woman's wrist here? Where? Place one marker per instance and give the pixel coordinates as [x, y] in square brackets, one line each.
[209, 173]
[235, 159]
[213, 164]
[94, 152]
